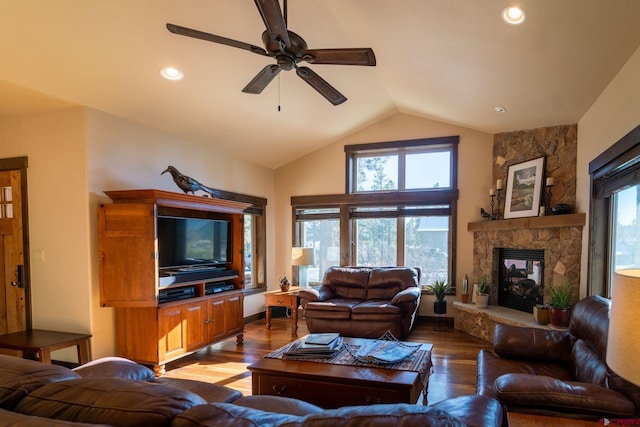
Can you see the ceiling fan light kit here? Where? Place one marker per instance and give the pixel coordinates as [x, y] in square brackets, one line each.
[288, 49]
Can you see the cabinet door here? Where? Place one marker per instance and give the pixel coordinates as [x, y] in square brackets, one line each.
[172, 330]
[234, 313]
[127, 251]
[196, 318]
[216, 325]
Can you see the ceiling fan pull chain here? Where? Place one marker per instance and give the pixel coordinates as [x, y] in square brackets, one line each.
[278, 92]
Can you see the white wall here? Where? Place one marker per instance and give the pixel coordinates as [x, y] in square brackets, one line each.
[58, 214]
[323, 172]
[614, 114]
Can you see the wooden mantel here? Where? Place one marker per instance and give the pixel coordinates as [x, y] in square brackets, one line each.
[550, 221]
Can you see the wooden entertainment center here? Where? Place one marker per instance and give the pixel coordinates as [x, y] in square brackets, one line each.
[161, 314]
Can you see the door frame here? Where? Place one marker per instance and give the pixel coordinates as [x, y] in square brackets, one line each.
[21, 163]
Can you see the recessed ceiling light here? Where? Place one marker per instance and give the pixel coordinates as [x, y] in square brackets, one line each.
[514, 15]
[171, 73]
[500, 109]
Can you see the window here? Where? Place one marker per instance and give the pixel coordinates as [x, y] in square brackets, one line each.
[255, 240]
[320, 229]
[614, 229]
[406, 165]
[399, 210]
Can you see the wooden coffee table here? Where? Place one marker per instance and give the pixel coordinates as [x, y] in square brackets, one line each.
[331, 386]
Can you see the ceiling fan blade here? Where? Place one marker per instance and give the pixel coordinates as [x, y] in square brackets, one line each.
[189, 32]
[273, 20]
[357, 56]
[321, 85]
[262, 79]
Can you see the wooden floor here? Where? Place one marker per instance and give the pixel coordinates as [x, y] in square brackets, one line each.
[454, 357]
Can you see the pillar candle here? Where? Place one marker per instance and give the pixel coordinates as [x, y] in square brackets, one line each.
[492, 192]
[549, 181]
[499, 184]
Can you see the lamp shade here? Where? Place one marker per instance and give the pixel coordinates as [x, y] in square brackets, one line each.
[302, 256]
[623, 342]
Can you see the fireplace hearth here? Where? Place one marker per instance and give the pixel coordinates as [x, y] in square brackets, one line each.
[521, 278]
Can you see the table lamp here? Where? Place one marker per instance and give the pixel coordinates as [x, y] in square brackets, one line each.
[302, 257]
[623, 343]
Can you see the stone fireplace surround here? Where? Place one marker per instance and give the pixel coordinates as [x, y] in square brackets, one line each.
[560, 236]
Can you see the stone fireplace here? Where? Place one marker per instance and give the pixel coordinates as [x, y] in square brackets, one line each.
[555, 239]
[558, 237]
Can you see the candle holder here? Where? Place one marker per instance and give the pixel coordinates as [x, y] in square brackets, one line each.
[548, 204]
[499, 199]
[493, 196]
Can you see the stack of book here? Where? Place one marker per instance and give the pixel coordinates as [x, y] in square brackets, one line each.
[314, 346]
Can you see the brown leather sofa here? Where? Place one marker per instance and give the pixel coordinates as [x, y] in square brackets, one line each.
[558, 372]
[364, 302]
[118, 392]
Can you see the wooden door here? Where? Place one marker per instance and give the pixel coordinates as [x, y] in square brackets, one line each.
[14, 268]
[196, 318]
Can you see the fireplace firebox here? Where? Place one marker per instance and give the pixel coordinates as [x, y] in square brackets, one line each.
[521, 276]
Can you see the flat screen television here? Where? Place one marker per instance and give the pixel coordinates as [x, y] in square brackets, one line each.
[193, 242]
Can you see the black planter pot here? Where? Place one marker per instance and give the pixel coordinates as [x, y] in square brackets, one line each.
[440, 307]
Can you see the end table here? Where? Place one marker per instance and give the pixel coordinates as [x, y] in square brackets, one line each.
[288, 299]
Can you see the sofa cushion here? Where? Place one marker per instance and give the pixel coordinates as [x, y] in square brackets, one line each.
[542, 392]
[14, 419]
[230, 415]
[347, 282]
[337, 308]
[113, 401]
[381, 415]
[19, 377]
[376, 307]
[518, 342]
[586, 365]
[491, 366]
[208, 391]
[115, 367]
[590, 322]
[385, 283]
[283, 405]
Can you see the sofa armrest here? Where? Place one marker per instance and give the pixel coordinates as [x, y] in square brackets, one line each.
[543, 392]
[411, 294]
[322, 293]
[517, 342]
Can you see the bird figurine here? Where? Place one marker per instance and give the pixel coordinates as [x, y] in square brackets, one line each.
[188, 184]
[485, 214]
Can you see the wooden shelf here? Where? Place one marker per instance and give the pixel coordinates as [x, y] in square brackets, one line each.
[569, 220]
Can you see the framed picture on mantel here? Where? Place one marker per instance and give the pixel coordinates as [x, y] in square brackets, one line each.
[524, 188]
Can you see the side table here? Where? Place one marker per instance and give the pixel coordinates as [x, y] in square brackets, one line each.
[44, 342]
[288, 299]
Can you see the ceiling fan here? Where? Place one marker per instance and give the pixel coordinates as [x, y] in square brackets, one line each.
[288, 48]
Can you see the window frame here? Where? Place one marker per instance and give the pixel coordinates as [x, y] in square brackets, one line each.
[615, 169]
[404, 200]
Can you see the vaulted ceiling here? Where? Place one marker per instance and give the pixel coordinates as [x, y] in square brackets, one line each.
[448, 60]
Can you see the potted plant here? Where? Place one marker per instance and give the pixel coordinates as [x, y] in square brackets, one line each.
[482, 297]
[464, 296]
[560, 305]
[440, 287]
[541, 313]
